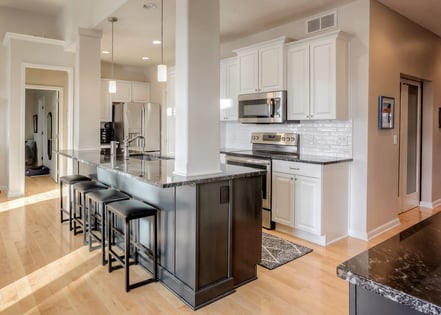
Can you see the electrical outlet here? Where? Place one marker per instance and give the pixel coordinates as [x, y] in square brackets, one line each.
[342, 140]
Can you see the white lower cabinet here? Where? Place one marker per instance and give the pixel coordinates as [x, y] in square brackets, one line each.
[283, 198]
[310, 200]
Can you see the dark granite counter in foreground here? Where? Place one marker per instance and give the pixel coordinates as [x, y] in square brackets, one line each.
[402, 275]
[156, 172]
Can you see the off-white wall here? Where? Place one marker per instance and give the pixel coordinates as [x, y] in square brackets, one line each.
[21, 53]
[124, 72]
[17, 21]
[399, 47]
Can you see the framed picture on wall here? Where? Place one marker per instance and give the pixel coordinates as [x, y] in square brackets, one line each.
[386, 112]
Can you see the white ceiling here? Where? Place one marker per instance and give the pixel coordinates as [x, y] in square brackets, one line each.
[138, 27]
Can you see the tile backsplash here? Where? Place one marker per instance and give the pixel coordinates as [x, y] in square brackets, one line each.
[319, 137]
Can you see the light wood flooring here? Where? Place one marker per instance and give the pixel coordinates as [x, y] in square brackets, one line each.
[44, 269]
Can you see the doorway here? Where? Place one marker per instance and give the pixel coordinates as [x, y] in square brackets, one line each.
[410, 145]
[42, 106]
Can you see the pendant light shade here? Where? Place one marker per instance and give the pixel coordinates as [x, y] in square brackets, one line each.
[162, 68]
[112, 82]
[162, 73]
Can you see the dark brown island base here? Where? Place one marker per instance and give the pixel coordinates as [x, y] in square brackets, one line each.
[401, 276]
[209, 226]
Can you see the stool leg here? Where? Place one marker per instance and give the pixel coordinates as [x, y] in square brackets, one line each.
[103, 233]
[85, 213]
[71, 204]
[155, 248]
[127, 255]
[89, 218]
[61, 201]
[73, 210]
[110, 240]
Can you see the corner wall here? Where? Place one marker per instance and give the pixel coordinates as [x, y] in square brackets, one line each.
[399, 47]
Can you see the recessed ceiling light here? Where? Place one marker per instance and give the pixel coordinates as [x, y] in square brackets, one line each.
[156, 42]
[150, 5]
[105, 52]
[145, 58]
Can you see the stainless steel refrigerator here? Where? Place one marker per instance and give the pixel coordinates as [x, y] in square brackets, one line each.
[134, 119]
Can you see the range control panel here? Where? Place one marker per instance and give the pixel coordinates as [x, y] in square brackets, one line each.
[277, 138]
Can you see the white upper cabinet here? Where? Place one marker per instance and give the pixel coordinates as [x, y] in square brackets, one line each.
[317, 77]
[262, 67]
[126, 91]
[229, 88]
[140, 92]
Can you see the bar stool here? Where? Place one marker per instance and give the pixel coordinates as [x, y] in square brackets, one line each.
[97, 207]
[80, 190]
[130, 211]
[69, 180]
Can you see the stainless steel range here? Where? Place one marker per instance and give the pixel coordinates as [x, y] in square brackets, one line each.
[265, 146]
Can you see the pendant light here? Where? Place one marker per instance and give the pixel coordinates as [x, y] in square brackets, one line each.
[112, 82]
[162, 68]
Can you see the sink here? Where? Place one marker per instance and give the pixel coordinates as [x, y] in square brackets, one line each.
[149, 157]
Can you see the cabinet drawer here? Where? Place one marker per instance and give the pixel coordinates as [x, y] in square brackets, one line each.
[297, 168]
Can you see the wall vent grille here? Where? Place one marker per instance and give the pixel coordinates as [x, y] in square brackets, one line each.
[322, 22]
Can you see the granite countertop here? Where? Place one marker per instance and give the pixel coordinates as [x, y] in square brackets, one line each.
[303, 158]
[156, 172]
[405, 268]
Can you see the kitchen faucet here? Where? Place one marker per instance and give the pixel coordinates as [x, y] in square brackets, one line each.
[126, 143]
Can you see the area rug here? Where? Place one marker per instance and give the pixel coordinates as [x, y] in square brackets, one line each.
[277, 251]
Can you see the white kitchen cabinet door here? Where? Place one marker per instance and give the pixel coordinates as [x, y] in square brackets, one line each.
[283, 198]
[249, 72]
[271, 68]
[123, 92]
[140, 92]
[229, 89]
[298, 82]
[323, 76]
[307, 207]
[317, 76]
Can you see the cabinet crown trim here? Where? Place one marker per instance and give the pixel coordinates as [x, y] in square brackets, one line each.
[275, 41]
[338, 34]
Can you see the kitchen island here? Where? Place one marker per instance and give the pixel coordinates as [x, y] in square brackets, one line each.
[401, 276]
[209, 226]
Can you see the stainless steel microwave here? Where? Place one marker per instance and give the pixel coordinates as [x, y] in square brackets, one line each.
[269, 107]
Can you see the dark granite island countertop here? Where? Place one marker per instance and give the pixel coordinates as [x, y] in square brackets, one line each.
[402, 275]
[155, 172]
[209, 233]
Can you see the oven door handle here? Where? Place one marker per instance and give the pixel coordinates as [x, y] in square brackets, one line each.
[247, 160]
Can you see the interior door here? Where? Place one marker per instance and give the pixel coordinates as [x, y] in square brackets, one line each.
[410, 145]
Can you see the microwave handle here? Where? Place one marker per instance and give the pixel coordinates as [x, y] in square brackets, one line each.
[271, 107]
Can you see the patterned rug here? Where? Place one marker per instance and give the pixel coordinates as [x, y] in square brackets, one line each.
[277, 251]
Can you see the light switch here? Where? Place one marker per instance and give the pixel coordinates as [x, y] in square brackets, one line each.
[395, 139]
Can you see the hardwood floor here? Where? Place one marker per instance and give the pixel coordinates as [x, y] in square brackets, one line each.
[47, 270]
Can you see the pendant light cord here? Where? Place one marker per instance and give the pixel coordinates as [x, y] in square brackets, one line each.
[162, 32]
[112, 48]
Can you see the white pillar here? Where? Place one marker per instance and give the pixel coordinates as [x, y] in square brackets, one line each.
[197, 87]
[87, 89]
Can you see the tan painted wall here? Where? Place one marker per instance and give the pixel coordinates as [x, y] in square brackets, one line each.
[123, 72]
[399, 47]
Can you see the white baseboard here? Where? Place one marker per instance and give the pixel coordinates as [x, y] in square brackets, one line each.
[430, 205]
[358, 234]
[383, 228]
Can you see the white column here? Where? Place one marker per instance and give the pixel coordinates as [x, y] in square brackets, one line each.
[197, 87]
[87, 89]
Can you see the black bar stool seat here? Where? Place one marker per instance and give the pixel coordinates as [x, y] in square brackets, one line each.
[128, 211]
[80, 190]
[69, 180]
[97, 207]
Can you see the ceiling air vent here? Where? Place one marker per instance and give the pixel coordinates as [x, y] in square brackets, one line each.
[321, 22]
